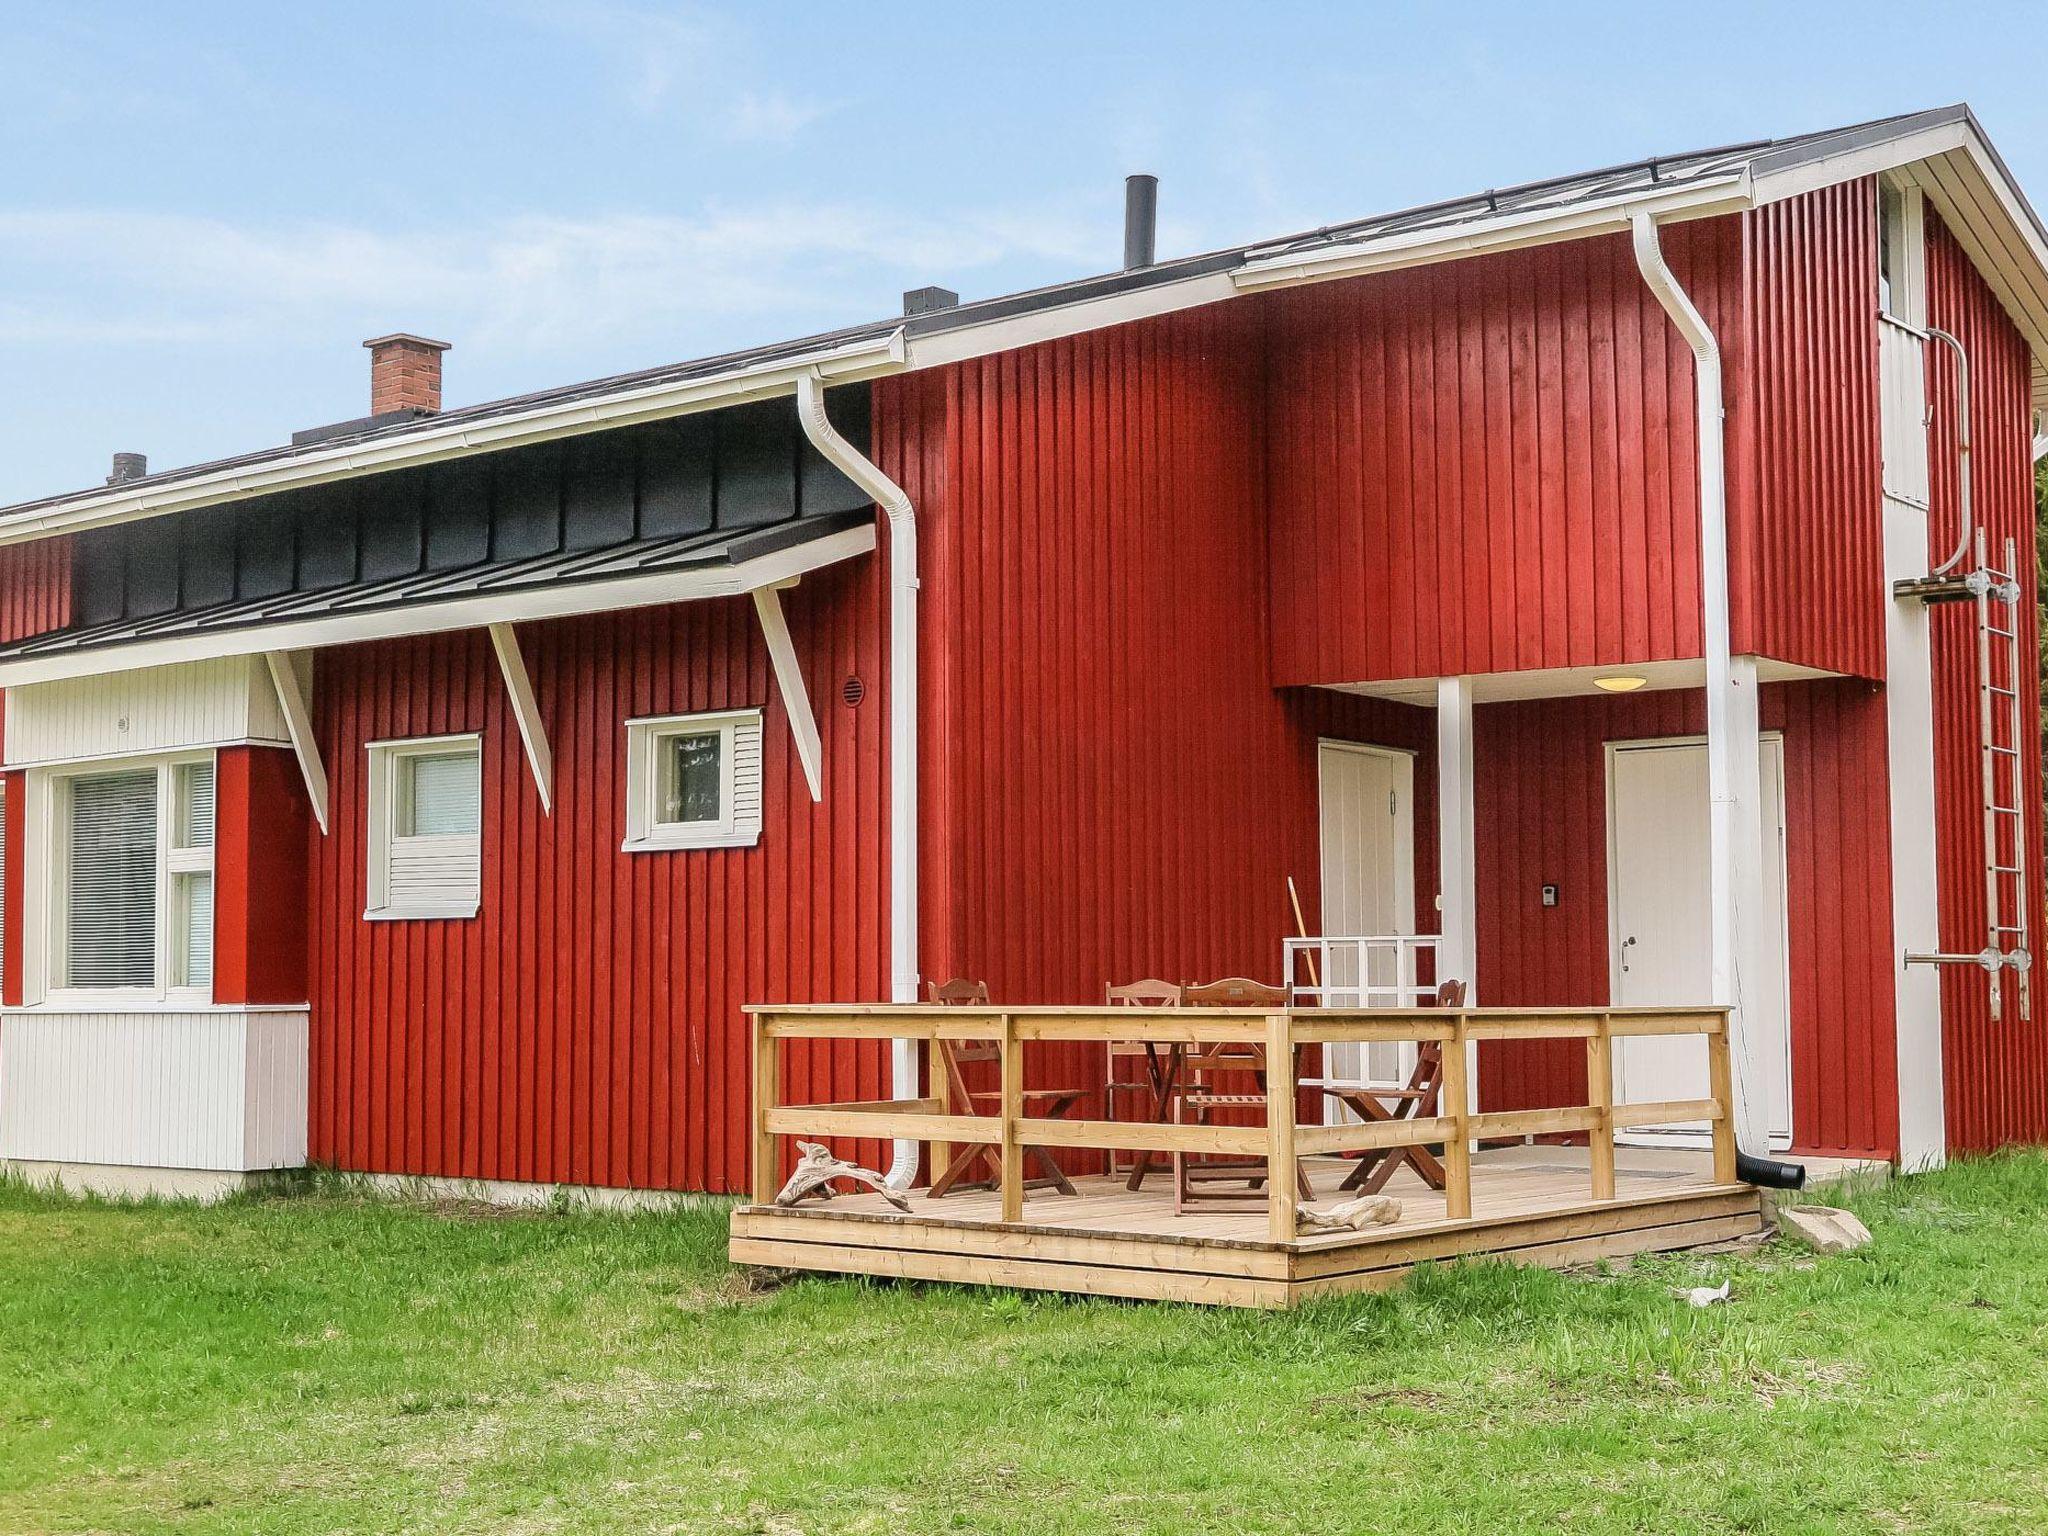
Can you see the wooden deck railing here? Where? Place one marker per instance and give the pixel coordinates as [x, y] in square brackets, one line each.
[1456, 1125]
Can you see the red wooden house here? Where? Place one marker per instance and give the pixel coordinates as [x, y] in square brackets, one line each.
[1591, 573]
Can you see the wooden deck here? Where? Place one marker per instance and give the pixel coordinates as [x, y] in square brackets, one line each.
[1530, 1204]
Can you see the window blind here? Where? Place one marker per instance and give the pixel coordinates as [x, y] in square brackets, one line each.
[195, 805]
[439, 794]
[110, 897]
[195, 922]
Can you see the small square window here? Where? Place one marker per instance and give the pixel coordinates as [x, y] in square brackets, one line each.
[693, 781]
[425, 828]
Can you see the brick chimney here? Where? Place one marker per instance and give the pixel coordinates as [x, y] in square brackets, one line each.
[128, 466]
[405, 374]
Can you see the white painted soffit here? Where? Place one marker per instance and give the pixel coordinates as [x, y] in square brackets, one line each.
[1572, 682]
[1961, 175]
[475, 611]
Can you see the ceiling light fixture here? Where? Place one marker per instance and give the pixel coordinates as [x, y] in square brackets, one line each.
[1619, 684]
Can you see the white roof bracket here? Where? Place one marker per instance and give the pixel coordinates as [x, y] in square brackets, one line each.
[290, 681]
[789, 678]
[533, 731]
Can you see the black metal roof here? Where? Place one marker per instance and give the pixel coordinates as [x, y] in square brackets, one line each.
[639, 557]
[1553, 193]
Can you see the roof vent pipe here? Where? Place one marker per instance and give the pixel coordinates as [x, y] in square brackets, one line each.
[128, 466]
[1141, 220]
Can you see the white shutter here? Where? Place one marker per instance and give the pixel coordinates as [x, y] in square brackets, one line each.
[110, 890]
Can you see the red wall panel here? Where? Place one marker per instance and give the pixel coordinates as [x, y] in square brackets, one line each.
[1114, 788]
[1541, 808]
[13, 883]
[1488, 465]
[585, 1028]
[1996, 1069]
[1806, 511]
[35, 587]
[259, 889]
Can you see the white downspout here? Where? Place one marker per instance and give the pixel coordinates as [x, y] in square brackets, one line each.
[1734, 778]
[895, 505]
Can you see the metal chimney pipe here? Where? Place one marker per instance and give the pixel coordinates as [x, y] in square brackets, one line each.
[1141, 220]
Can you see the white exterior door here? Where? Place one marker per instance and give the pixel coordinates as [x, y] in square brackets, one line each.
[1658, 904]
[1368, 873]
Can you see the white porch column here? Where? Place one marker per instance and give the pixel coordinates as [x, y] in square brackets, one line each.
[1458, 953]
[1457, 852]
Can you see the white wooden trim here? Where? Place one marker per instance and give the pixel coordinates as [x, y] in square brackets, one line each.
[384, 755]
[533, 731]
[844, 363]
[546, 602]
[739, 788]
[789, 678]
[298, 720]
[46, 880]
[1543, 226]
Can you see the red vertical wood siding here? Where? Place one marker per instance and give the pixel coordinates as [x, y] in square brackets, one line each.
[585, 1027]
[1996, 1070]
[1114, 789]
[259, 884]
[1806, 470]
[13, 872]
[1489, 465]
[1541, 806]
[35, 587]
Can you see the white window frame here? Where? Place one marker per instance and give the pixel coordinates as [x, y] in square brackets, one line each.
[48, 867]
[383, 830]
[739, 803]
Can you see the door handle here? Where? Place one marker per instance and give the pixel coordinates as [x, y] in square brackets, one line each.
[1625, 943]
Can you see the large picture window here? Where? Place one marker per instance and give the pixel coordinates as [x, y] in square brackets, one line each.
[426, 818]
[132, 881]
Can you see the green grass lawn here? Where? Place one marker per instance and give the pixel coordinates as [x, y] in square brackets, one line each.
[322, 1362]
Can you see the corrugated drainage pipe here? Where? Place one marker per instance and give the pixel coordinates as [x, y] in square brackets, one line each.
[902, 518]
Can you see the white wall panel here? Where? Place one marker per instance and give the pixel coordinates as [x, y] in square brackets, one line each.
[220, 1089]
[193, 704]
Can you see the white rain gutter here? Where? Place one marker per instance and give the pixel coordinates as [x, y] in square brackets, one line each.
[1734, 786]
[431, 444]
[1703, 198]
[895, 505]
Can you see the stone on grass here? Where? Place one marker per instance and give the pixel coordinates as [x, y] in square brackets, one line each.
[1823, 1228]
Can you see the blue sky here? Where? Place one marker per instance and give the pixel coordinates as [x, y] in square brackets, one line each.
[205, 208]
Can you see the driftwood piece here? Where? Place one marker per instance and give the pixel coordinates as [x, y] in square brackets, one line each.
[816, 1168]
[1353, 1215]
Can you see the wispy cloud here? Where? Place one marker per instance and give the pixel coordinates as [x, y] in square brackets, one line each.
[536, 284]
[682, 61]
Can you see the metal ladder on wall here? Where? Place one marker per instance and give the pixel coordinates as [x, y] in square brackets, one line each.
[2005, 823]
[1996, 593]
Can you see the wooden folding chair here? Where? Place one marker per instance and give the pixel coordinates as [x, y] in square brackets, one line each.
[1416, 1101]
[1158, 1066]
[954, 1056]
[1198, 1092]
